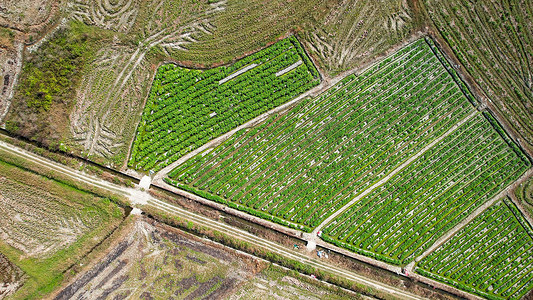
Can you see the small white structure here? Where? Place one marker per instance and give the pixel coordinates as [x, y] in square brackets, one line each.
[311, 245]
[145, 182]
[136, 211]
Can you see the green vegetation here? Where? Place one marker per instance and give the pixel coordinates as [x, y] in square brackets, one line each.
[46, 91]
[301, 167]
[54, 74]
[493, 40]
[491, 256]
[187, 108]
[400, 219]
[48, 227]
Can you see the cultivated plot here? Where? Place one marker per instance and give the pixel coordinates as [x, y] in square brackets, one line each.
[187, 108]
[386, 162]
[494, 41]
[491, 256]
[303, 166]
[400, 219]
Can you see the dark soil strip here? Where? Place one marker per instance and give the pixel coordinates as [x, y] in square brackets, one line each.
[225, 288]
[117, 283]
[185, 284]
[196, 260]
[203, 288]
[70, 290]
[111, 274]
[216, 253]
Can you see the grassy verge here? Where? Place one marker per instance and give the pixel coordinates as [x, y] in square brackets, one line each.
[31, 167]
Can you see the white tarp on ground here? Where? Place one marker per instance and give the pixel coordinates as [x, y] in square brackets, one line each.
[231, 76]
[287, 69]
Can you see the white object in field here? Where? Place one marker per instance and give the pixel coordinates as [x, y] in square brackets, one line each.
[145, 182]
[289, 68]
[136, 211]
[311, 245]
[241, 71]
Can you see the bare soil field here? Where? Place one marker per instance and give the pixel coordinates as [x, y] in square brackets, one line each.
[157, 262]
[277, 283]
[25, 15]
[39, 223]
[354, 32]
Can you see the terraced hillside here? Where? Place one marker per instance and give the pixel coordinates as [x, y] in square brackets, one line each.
[187, 108]
[494, 41]
[491, 256]
[299, 168]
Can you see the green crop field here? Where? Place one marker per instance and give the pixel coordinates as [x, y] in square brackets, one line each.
[299, 168]
[187, 108]
[400, 219]
[491, 256]
[494, 41]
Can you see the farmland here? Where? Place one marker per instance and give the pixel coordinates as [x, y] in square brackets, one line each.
[493, 40]
[186, 108]
[157, 262]
[47, 226]
[491, 256]
[300, 167]
[400, 219]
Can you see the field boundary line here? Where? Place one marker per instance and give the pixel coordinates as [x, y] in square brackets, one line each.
[391, 174]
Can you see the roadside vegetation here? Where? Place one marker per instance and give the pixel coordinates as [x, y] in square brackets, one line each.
[491, 256]
[187, 108]
[47, 227]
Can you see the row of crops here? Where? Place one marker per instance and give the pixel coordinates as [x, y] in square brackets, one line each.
[403, 217]
[491, 256]
[299, 168]
[186, 108]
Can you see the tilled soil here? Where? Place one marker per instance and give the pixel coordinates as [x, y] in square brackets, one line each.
[159, 262]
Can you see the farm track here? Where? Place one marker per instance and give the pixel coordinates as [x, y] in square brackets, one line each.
[139, 198]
